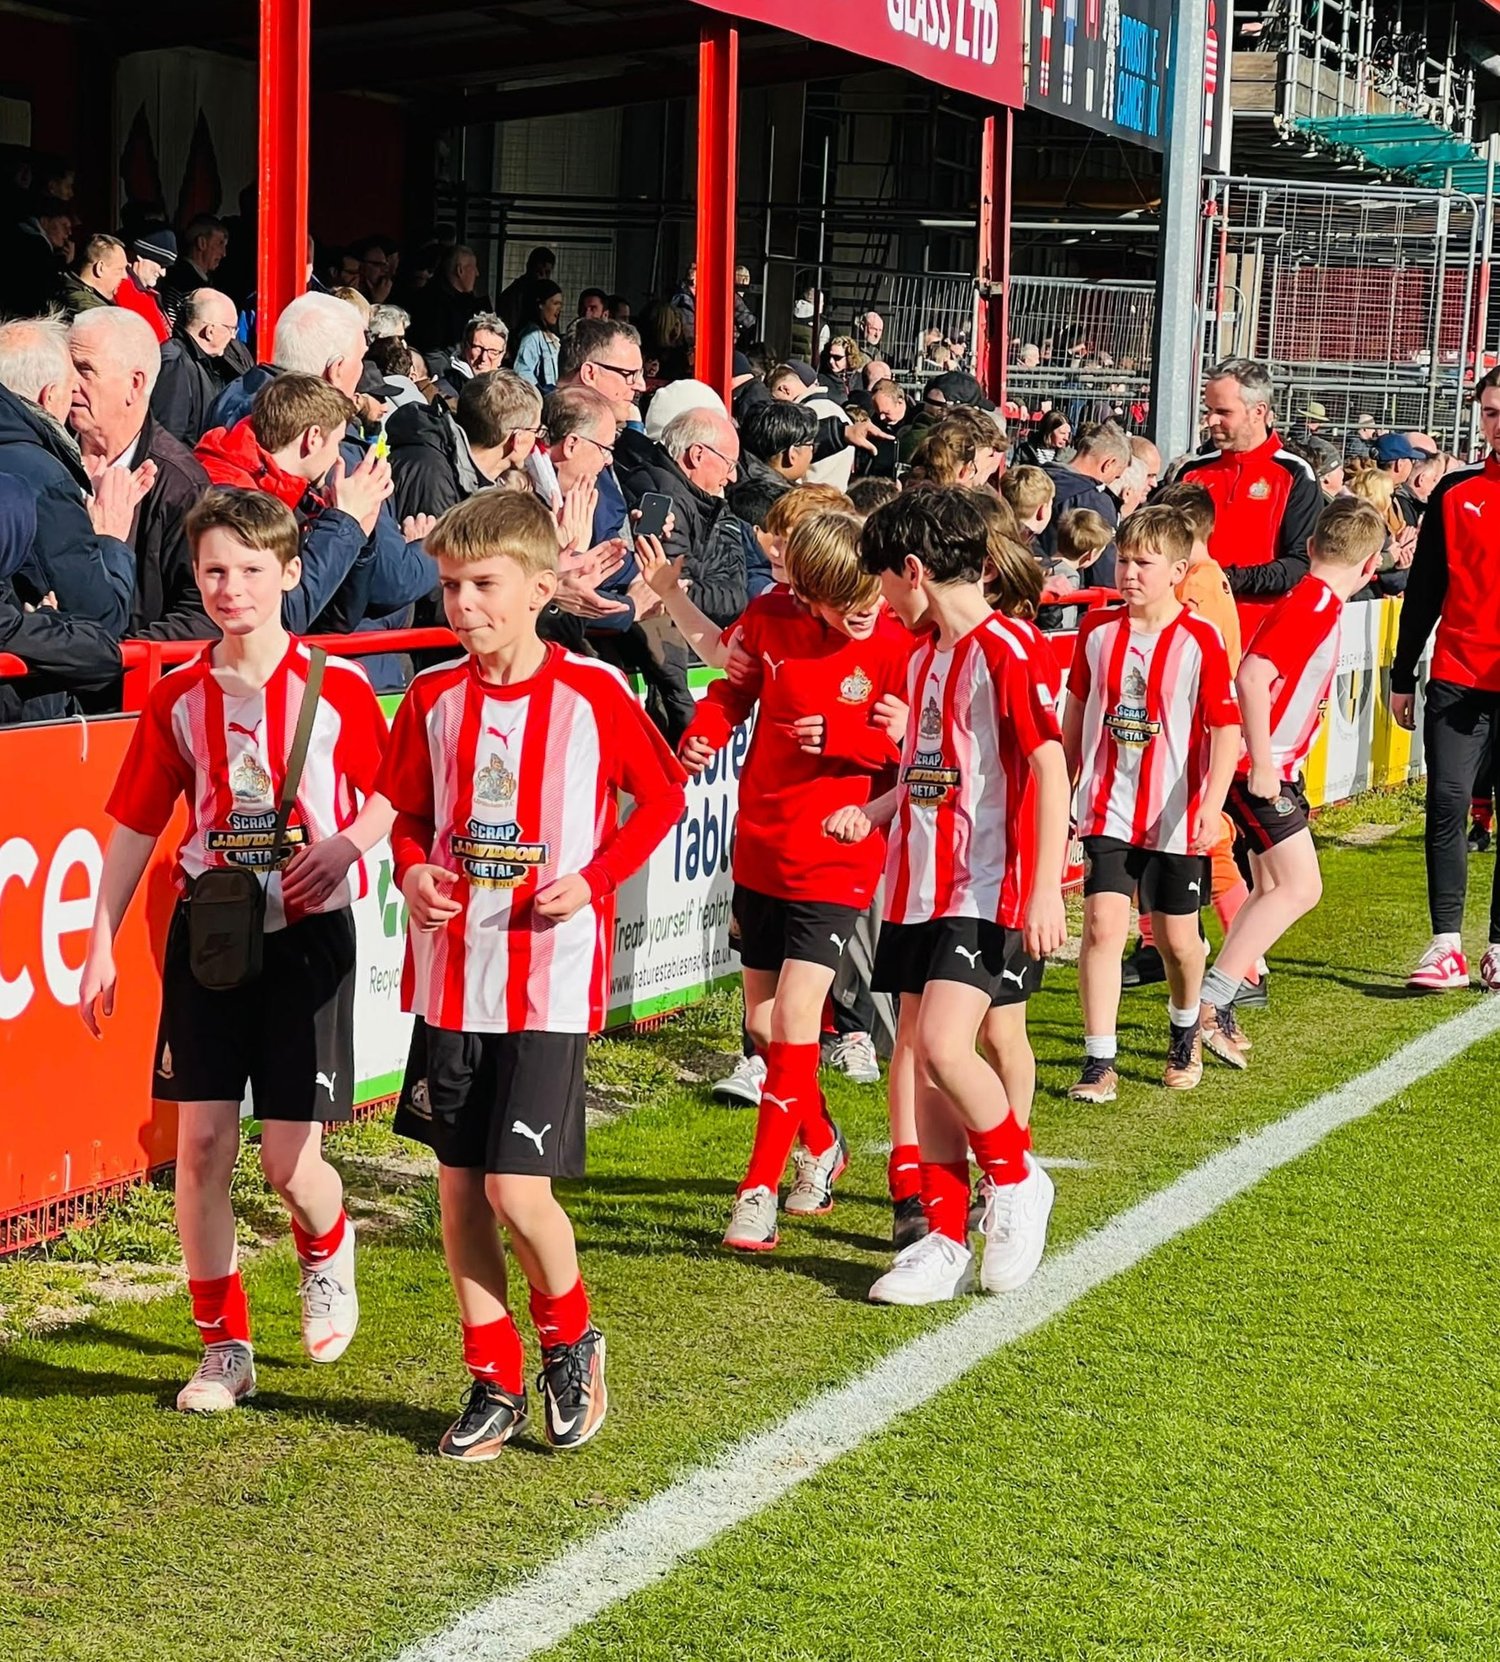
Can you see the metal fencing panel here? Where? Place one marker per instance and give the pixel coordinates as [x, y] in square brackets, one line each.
[1082, 347]
[1359, 298]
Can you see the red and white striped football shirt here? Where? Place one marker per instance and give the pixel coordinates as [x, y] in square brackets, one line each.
[963, 842]
[1149, 701]
[1301, 638]
[227, 756]
[511, 787]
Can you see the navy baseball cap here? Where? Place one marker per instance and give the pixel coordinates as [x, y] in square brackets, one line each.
[1397, 447]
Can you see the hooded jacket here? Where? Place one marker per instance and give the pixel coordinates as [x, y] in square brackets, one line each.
[332, 541]
[93, 577]
[62, 654]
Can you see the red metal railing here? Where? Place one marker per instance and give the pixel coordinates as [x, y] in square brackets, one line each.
[11, 667]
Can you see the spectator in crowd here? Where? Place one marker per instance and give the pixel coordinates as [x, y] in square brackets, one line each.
[693, 463]
[1030, 494]
[317, 334]
[1378, 487]
[37, 254]
[606, 355]
[942, 394]
[1102, 456]
[580, 427]
[517, 302]
[791, 382]
[665, 344]
[94, 277]
[1266, 500]
[871, 333]
[745, 323]
[893, 412]
[1049, 443]
[1427, 476]
[1326, 463]
[194, 367]
[388, 322]
[481, 348]
[203, 246]
[777, 441]
[1361, 441]
[341, 270]
[63, 655]
[593, 304]
[379, 258]
[1146, 453]
[810, 307]
[537, 349]
[441, 308]
[151, 252]
[440, 459]
[1314, 419]
[618, 308]
[353, 297]
[843, 365]
[403, 375]
[81, 552]
[685, 303]
[117, 359]
[1132, 487]
[289, 446]
[1399, 454]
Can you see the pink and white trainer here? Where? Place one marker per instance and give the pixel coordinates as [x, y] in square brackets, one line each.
[1443, 969]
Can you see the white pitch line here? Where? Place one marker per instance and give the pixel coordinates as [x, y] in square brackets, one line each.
[650, 1540]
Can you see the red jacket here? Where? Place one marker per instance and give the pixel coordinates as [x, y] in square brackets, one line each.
[144, 304]
[1266, 503]
[807, 669]
[1454, 583]
[231, 456]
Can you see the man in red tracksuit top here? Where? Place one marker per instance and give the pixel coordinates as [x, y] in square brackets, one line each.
[1266, 501]
[829, 679]
[1453, 585]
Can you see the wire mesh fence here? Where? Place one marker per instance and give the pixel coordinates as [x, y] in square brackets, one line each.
[1082, 347]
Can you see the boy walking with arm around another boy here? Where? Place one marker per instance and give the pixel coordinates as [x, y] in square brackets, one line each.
[1153, 729]
[1283, 687]
[222, 733]
[503, 770]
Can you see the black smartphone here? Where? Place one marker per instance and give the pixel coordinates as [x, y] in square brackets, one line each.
[654, 509]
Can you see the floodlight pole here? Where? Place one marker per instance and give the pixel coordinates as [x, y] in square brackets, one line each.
[1178, 336]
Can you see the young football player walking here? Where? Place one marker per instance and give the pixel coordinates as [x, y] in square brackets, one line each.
[1152, 728]
[1283, 687]
[828, 674]
[973, 884]
[258, 973]
[504, 770]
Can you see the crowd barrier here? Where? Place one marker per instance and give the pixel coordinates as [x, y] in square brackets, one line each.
[75, 1116]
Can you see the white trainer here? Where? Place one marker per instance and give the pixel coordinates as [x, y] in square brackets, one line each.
[1014, 1225]
[853, 1055]
[752, 1223]
[330, 1305]
[1489, 969]
[743, 1083]
[812, 1192]
[221, 1381]
[929, 1271]
[1442, 969]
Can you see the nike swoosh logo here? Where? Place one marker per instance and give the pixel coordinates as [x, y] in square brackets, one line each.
[560, 1426]
[483, 1431]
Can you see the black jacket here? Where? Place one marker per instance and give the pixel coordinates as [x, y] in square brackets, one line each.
[93, 577]
[1081, 490]
[757, 487]
[186, 388]
[167, 605]
[439, 313]
[707, 531]
[63, 655]
[431, 460]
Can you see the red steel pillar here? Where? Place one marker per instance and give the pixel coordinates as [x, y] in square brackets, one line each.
[285, 85]
[718, 135]
[992, 332]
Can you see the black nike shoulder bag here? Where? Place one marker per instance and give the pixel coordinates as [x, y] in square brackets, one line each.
[226, 906]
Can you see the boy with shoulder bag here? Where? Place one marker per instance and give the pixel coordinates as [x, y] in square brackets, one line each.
[275, 750]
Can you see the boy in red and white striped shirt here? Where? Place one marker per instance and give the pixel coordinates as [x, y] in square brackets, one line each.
[973, 883]
[1152, 728]
[1283, 686]
[503, 770]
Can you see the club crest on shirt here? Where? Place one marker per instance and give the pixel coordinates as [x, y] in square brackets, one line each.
[928, 779]
[1128, 723]
[1260, 490]
[248, 780]
[246, 840]
[930, 728]
[856, 687]
[492, 853]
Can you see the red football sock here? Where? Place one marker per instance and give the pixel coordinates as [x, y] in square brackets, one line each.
[1228, 904]
[1482, 811]
[945, 1199]
[1000, 1154]
[791, 1086]
[317, 1249]
[493, 1353]
[1148, 934]
[219, 1309]
[818, 1134]
[562, 1320]
[903, 1171]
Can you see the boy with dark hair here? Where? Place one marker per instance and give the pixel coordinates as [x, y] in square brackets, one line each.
[1152, 728]
[981, 755]
[1283, 687]
[223, 733]
[504, 770]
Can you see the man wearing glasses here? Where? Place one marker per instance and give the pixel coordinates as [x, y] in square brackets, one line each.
[482, 347]
[605, 356]
[193, 367]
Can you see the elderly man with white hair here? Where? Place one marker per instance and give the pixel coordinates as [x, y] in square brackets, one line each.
[116, 358]
[80, 555]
